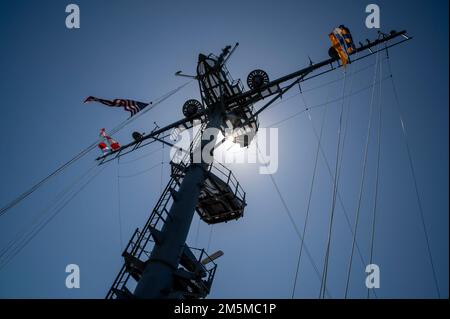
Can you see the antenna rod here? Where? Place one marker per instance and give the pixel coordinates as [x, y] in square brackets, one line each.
[180, 73]
[231, 52]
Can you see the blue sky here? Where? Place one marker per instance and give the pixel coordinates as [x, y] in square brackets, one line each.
[131, 49]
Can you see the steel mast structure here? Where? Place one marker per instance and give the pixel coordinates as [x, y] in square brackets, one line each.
[157, 257]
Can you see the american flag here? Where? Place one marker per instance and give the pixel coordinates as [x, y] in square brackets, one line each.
[129, 105]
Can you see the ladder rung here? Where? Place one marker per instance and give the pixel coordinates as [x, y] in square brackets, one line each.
[167, 213]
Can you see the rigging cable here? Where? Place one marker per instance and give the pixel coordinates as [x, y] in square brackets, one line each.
[335, 187]
[57, 198]
[25, 194]
[31, 190]
[314, 88]
[327, 103]
[119, 204]
[291, 219]
[149, 154]
[324, 155]
[319, 148]
[344, 210]
[13, 253]
[310, 192]
[154, 103]
[347, 116]
[358, 209]
[413, 173]
[140, 172]
[377, 174]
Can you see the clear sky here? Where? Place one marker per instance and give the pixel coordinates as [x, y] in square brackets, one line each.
[131, 49]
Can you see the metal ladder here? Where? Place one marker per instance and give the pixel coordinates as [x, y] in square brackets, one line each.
[140, 239]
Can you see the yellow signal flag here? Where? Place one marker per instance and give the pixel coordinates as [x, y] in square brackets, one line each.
[336, 45]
